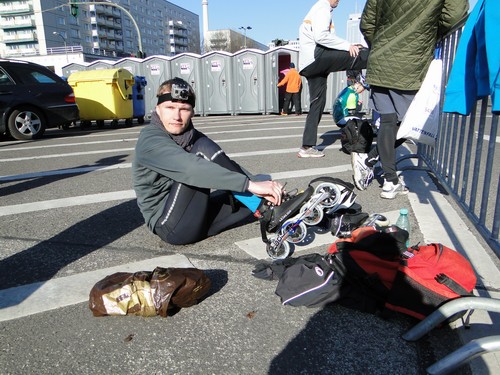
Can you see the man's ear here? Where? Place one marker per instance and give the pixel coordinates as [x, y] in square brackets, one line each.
[157, 111]
[192, 113]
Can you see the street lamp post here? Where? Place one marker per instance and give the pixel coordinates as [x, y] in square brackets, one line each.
[245, 34]
[65, 44]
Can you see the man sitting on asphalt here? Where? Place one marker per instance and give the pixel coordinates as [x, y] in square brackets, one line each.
[185, 183]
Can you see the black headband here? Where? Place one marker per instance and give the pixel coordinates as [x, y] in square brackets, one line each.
[168, 97]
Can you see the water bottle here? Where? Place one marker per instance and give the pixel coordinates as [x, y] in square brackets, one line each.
[403, 222]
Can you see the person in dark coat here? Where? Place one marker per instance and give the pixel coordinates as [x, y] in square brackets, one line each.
[402, 36]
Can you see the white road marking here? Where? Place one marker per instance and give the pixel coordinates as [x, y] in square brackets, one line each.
[35, 298]
[123, 140]
[130, 194]
[26, 176]
[66, 202]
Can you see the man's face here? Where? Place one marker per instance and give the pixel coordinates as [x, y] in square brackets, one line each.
[334, 3]
[175, 116]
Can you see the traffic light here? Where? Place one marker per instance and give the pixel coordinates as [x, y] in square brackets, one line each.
[74, 10]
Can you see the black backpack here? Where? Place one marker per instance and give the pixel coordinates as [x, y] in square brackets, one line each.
[311, 282]
[356, 136]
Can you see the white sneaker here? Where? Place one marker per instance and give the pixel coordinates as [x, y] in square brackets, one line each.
[310, 152]
[363, 174]
[391, 191]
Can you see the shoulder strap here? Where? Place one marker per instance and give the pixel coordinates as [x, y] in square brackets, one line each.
[452, 284]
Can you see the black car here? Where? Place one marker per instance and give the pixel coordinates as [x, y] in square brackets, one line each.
[33, 98]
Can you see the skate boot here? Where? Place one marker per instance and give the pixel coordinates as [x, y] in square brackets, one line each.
[272, 217]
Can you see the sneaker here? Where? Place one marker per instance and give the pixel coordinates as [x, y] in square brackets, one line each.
[363, 174]
[284, 114]
[391, 191]
[272, 217]
[310, 152]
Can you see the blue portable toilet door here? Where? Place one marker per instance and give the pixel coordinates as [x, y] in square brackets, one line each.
[217, 78]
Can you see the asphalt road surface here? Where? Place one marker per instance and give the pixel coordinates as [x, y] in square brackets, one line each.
[68, 218]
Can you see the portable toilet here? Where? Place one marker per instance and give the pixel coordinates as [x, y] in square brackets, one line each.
[132, 64]
[277, 62]
[249, 81]
[217, 86]
[188, 67]
[156, 70]
[73, 67]
[100, 64]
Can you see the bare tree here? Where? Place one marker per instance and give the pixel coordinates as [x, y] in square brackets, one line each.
[217, 41]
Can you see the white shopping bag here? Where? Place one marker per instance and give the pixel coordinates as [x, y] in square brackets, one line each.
[421, 122]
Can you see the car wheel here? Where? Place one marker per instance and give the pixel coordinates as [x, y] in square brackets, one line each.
[84, 124]
[26, 123]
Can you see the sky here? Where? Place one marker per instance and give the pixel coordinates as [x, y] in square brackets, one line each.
[269, 19]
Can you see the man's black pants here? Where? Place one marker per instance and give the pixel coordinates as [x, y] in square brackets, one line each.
[326, 61]
[192, 214]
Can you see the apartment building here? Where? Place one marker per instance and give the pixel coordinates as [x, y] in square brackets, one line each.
[44, 27]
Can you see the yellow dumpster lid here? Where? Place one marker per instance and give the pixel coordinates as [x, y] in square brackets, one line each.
[106, 75]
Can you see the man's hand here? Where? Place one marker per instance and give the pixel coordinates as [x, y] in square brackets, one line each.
[270, 190]
[354, 50]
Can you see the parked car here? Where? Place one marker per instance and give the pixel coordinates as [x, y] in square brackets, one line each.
[32, 99]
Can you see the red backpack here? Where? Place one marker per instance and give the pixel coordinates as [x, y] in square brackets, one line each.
[427, 277]
[414, 281]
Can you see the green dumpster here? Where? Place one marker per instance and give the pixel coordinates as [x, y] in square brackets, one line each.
[104, 94]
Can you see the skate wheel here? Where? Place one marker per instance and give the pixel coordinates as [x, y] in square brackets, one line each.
[382, 221]
[295, 232]
[334, 191]
[376, 220]
[281, 252]
[314, 217]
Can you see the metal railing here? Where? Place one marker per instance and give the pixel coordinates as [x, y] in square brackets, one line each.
[465, 159]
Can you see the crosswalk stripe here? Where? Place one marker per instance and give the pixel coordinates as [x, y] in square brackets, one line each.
[59, 172]
[130, 194]
[48, 295]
